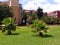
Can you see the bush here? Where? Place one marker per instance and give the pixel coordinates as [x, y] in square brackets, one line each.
[9, 25]
[39, 26]
[46, 19]
[49, 20]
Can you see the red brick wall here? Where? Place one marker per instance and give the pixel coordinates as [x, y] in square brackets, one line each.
[58, 14]
[17, 14]
[16, 9]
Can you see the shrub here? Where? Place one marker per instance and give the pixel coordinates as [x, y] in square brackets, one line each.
[39, 26]
[49, 20]
[9, 25]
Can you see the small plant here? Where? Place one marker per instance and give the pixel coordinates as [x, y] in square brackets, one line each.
[9, 25]
[39, 26]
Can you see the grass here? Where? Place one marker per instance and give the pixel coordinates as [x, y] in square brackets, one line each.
[24, 36]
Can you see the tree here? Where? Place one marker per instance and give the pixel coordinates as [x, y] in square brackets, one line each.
[46, 19]
[45, 14]
[58, 20]
[24, 18]
[31, 17]
[50, 20]
[39, 12]
[9, 25]
[5, 11]
[40, 27]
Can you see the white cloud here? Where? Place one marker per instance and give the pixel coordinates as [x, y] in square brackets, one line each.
[34, 4]
[57, 1]
[51, 7]
[3, 0]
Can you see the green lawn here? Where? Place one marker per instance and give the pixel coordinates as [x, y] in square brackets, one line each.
[24, 36]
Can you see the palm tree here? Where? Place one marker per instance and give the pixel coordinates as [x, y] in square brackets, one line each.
[40, 27]
[9, 25]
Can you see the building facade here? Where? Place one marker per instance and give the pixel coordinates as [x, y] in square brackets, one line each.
[16, 8]
[55, 14]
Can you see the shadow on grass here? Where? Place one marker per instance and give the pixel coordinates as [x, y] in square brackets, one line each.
[13, 34]
[44, 36]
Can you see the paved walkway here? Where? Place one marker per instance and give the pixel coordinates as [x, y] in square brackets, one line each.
[22, 26]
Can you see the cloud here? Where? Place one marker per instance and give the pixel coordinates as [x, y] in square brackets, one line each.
[3, 0]
[34, 4]
[51, 7]
[45, 4]
[57, 1]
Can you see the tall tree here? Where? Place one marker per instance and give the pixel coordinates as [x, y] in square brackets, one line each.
[39, 12]
[5, 11]
[24, 18]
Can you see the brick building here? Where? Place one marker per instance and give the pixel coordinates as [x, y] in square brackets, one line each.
[16, 7]
[55, 14]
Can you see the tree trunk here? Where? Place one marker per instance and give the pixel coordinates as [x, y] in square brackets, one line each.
[9, 32]
[40, 34]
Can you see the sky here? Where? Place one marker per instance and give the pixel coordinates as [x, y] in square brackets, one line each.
[46, 5]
